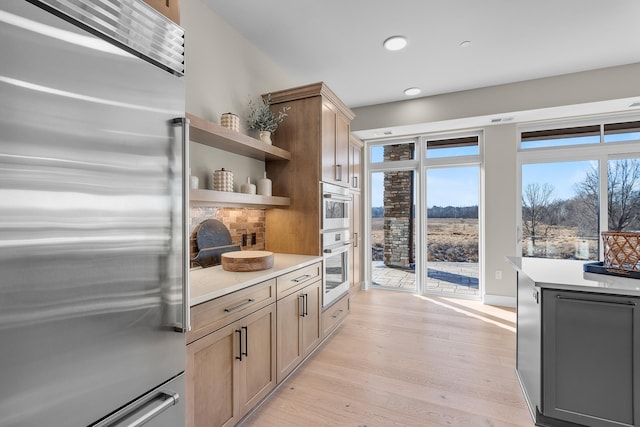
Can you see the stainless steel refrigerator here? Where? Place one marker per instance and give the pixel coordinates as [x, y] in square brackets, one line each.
[93, 300]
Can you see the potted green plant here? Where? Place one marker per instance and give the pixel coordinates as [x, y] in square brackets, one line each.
[263, 119]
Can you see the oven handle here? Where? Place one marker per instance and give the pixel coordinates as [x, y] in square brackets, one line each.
[340, 197]
[336, 250]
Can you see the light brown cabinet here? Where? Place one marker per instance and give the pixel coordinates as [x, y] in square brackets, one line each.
[355, 215]
[232, 367]
[335, 145]
[334, 315]
[355, 258]
[316, 134]
[355, 163]
[169, 8]
[298, 327]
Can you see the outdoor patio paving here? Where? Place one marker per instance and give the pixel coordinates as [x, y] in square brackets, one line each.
[445, 277]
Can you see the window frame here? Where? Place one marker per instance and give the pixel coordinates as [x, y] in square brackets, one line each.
[601, 152]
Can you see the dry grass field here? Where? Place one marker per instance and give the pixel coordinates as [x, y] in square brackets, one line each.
[456, 240]
[449, 239]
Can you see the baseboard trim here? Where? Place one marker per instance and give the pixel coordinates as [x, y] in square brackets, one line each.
[500, 300]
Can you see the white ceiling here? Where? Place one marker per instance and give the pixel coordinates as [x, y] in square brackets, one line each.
[340, 41]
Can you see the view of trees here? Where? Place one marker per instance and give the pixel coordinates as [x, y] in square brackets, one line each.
[438, 212]
[544, 216]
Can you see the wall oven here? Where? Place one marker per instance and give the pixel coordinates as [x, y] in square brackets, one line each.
[335, 207]
[335, 280]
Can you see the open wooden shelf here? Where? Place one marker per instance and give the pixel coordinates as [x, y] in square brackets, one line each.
[212, 134]
[229, 199]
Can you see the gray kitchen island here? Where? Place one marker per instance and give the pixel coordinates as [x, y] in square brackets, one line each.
[578, 344]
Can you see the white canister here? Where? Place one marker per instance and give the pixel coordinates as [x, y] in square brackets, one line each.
[248, 188]
[223, 180]
[230, 121]
[264, 186]
[194, 181]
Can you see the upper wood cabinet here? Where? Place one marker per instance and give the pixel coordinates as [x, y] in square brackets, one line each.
[355, 163]
[335, 145]
[316, 134]
[169, 8]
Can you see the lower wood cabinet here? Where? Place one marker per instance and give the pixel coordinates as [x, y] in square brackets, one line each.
[334, 315]
[298, 327]
[231, 369]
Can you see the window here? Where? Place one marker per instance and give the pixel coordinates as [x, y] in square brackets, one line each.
[395, 152]
[451, 147]
[560, 137]
[563, 183]
[560, 203]
[620, 132]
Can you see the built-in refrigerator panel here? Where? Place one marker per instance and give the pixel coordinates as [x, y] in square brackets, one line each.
[91, 223]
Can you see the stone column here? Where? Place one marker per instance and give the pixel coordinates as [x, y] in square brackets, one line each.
[398, 210]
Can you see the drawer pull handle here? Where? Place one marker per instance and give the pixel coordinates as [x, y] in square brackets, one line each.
[239, 306]
[335, 316]
[301, 278]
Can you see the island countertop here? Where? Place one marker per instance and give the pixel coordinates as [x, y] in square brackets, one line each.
[213, 282]
[570, 275]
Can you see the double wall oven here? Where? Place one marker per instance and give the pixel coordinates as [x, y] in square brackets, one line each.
[335, 242]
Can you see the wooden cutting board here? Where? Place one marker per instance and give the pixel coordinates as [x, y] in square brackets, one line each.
[243, 261]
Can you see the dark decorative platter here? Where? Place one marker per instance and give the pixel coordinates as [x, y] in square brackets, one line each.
[599, 268]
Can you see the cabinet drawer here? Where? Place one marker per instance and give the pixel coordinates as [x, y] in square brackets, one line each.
[291, 282]
[212, 315]
[334, 315]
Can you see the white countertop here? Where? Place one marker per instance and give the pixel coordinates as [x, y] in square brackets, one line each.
[570, 275]
[213, 282]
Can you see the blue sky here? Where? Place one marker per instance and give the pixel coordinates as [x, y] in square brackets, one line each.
[445, 187]
[563, 176]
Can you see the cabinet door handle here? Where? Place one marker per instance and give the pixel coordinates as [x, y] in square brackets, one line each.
[239, 306]
[305, 301]
[355, 240]
[239, 332]
[246, 342]
[338, 172]
[301, 306]
[301, 278]
[355, 182]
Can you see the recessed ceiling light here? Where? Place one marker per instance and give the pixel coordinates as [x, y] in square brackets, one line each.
[395, 43]
[465, 43]
[412, 91]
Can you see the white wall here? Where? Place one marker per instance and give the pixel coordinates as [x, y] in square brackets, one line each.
[224, 70]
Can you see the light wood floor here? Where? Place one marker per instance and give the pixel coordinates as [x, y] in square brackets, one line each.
[406, 360]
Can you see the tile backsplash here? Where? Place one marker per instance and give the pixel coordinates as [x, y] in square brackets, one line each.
[238, 221]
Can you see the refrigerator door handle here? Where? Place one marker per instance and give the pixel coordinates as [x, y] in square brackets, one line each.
[183, 122]
[148, 411]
